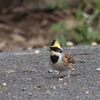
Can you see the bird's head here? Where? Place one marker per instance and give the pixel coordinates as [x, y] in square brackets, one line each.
[55, 47]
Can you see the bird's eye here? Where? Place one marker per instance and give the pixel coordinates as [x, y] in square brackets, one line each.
[59, 50]
[56, 49]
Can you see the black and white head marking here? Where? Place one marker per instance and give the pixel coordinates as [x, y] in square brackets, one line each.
[56, 49]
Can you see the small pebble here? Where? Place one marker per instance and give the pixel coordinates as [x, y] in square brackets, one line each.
[56, 71]
[77, 97]
[73, 69]
[98, 69]
[69, 43]
[30, 48]
[33, 87]
[15, 97]
[60, 79]
[87, 92]
[48, 92]
[23, 89]
[94, 43]
[4, 84]
[37, 52]
[54, 87]
[30, 94]
[45, 47]
[10, 71]
[65, 83]
[50, 71]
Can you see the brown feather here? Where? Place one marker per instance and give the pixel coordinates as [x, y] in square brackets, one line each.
[67, 60]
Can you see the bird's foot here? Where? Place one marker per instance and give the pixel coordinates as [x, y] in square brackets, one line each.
[56, 76]
[68, 76]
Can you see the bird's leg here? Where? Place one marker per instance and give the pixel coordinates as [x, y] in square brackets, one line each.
[68, 74]
[58, 74]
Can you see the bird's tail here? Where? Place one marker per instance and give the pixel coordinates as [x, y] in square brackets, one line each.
[81, 61]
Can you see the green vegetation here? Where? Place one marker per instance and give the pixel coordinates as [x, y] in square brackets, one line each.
[59, 32]
[86, 32]
[59, 4]
[86, 35]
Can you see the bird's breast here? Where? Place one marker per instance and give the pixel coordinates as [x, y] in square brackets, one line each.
[54, 58]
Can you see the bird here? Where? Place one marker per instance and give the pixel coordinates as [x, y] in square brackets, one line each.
[59, 60]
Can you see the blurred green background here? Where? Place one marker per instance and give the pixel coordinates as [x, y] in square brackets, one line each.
[35, 23]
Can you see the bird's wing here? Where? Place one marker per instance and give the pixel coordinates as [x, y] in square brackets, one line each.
[67, 60]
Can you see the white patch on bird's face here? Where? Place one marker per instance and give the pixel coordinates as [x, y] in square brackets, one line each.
[55, 53]
[58, 54]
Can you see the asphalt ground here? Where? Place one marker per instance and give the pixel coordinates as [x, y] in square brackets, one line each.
[24, 75]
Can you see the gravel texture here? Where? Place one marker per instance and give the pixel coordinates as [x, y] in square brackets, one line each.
[27, 75]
